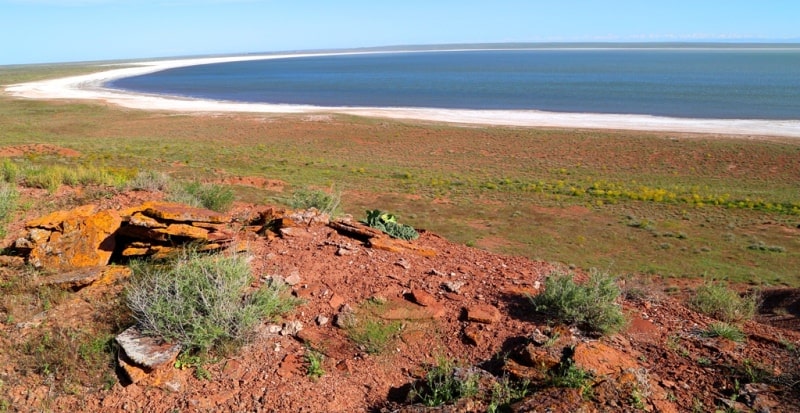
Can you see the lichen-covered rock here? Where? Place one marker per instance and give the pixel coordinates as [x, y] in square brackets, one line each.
[168, 211]
[66, 240]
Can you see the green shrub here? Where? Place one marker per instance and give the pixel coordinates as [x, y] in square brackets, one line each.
[725, 330]
[388, 223]
[592, 306]
[722, 303]
[200, 301]
[445, 384]
[312, 198]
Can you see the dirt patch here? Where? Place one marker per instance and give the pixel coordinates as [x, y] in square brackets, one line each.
[37, 149]
[253, 181]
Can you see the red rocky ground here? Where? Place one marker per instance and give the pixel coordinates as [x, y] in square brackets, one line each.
[660, 362]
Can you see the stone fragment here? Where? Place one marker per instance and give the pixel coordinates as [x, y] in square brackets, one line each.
[404, 310]
[602, 359]
[291, 328]
[322, 320]
[483, 313]
[135, 251]
[148, 352]
[423, 298]
[55, 220]
[293, 278]
[387, 243]
[184, 230]
[453, 286]
[140, 220]
[142, 233]
[474, 334]
[169, 211]
[75, 279]
[346, 318]
[336, 301]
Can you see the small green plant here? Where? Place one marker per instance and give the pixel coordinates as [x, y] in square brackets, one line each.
[505, 392]
[722, 303]
[314, 359]
[388, 223]
[567, 374]
[445, 383]
[725, 330]
[311, 198]
[201, 301]
[194, 361]
[592, 306]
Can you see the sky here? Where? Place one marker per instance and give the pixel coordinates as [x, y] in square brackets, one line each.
[48, 31]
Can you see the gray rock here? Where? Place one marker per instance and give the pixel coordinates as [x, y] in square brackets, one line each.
[453, 286]
[146, 351]
[291, 328]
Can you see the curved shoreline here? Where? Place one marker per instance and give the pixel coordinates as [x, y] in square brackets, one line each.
[91, 87]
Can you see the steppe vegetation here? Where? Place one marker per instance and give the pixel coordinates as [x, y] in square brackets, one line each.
[628, 202]
[633, 204]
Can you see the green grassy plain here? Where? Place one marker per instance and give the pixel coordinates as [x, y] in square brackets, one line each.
[666, 204]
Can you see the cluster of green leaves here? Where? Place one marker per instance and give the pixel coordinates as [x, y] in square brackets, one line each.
[718, 301]
[388, 223]
[201, 301]
[592, 306]
[314, 360]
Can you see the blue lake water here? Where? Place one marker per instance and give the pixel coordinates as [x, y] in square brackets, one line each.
[688, 83]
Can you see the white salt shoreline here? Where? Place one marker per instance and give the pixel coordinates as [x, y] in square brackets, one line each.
[90, 87]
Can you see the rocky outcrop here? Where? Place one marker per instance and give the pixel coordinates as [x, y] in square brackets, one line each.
[158, 229]
[65, 240]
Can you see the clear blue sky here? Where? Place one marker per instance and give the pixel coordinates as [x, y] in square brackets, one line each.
[39, 31]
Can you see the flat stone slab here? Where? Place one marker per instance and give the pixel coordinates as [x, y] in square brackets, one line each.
[182, 213]
[147, 351]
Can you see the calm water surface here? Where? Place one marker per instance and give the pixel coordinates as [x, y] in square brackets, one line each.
[707, 83]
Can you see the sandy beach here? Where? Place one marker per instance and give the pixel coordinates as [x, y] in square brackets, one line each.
[91, 87]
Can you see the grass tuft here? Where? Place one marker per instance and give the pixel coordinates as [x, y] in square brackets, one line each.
[214, 197]
[592, 306]
[311, 198]
[722, 303]
[726, 331]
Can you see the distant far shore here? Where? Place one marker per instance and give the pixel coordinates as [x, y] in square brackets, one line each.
[91, 87]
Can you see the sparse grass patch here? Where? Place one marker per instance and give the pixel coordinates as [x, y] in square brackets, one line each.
[211, 196]
[593, 306]
[150, 181]
[201, 301]
[313, 198]
[717, 300]
[763, 247]
[8, 204]
[374, 335]
[445, 383]
[726, 331]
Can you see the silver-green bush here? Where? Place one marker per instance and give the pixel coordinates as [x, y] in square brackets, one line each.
[201, 301]
[592, 306]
